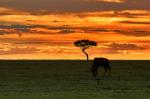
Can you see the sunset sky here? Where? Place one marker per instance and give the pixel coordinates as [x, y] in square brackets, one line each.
[46, 29]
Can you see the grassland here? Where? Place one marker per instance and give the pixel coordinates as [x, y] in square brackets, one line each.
[60, 79]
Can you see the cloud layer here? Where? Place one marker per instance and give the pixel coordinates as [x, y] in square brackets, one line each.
[75, 5]
[50, 27]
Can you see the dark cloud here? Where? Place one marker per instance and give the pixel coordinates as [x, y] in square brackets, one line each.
[129, 14]
[66, 31]
[13, 29]
[19, 26]
[20, 29]
[115, 48]
[56, 21]
[73, 5]
[135, 33]
[96, 30]
[134, 22]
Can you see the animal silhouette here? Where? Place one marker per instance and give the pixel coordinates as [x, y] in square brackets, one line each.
[100, 62]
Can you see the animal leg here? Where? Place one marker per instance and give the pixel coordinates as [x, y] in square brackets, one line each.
[109, 71]
[96, 75]
[104, 71]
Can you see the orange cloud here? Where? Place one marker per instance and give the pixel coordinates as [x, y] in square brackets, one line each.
[51, 35]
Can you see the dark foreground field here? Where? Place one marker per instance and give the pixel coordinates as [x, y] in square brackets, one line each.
[72, 80]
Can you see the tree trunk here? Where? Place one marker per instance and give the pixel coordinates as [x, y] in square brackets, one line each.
[85, 53]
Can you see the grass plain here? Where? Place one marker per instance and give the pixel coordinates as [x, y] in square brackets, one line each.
[71, 79]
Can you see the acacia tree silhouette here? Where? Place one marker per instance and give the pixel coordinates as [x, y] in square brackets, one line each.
[85, 44]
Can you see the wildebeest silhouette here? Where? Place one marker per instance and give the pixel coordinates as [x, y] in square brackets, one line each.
[100, 62]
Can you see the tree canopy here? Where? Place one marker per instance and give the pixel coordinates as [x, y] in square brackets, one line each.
[84, 44]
